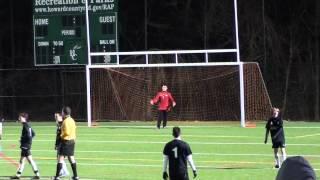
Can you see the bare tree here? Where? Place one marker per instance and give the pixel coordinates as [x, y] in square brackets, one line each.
[317, 62]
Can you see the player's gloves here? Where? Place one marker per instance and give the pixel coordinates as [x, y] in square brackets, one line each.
[165, 175]
[194, 174]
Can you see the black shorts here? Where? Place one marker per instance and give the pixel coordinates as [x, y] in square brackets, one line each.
[25, 152]
[66, 148]
[179, 176]
[279, 144]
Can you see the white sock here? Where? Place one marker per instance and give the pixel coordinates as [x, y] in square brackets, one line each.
[277, 160]
[284, 157]
[20, 169]
[34, 167]
[64, 170]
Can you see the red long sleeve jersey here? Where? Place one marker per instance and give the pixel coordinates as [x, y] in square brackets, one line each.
[164, 98]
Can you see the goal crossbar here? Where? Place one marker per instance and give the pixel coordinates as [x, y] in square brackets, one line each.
[96, 66]
[164, 52]
[175, 63]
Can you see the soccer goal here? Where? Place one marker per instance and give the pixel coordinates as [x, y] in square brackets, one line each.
[204, 89]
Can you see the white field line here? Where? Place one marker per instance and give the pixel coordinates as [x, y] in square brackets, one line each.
[164, 142]
[133, 165]
[160, 159]
[182, 126]
[155, 166]
[147, 135]
[160, 153]
[140, 126]
[308, 135]
[167, 135]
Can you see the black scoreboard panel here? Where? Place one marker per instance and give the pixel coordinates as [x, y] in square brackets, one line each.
[107, 24]
[60, 31]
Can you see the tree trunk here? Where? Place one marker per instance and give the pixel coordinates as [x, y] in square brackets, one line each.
[288, 71]
[145, 24]
[13, 56]
[264, 39]
[205, 14]
[187, 12]
[317, 63]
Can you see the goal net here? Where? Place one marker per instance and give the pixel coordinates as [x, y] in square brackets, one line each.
[206, 93]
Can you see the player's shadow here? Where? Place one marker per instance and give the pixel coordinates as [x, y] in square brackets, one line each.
[234, 168]
[25, 177]
[130, 127]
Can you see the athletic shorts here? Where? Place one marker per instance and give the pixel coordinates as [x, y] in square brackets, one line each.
[25, 152]
[66, 148]
[279, 144]
[179, 177]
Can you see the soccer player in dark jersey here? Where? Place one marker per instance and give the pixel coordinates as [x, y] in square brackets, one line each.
[275, 127]
[58, 117]
[177, 153]
[165, 100]
[67, 145]
[25, 145]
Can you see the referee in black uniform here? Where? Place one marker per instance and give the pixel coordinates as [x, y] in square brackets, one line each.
[177, 153]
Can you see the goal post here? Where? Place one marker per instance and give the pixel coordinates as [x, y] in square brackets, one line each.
[181, 59]
[110, 86]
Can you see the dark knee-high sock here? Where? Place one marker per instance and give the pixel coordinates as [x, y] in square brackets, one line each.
[74, 169]
[59, 167]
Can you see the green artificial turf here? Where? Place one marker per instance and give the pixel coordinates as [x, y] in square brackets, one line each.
[133, 150]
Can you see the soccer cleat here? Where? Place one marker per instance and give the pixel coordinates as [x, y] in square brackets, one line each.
[36, 177]
[56, 178]
[165, 175]
[75, 178]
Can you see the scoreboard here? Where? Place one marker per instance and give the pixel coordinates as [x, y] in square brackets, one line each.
[59, 28]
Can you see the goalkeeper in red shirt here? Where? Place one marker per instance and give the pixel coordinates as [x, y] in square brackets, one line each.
[165, 101]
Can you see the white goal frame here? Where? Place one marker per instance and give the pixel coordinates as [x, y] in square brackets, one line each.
[176, 63]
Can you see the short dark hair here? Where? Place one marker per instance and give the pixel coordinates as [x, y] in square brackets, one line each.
[24, 115]
[66, 110]
[176, 131]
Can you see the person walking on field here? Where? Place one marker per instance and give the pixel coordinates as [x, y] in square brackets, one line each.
[165, 101]
[27, 135]
[67, 145]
